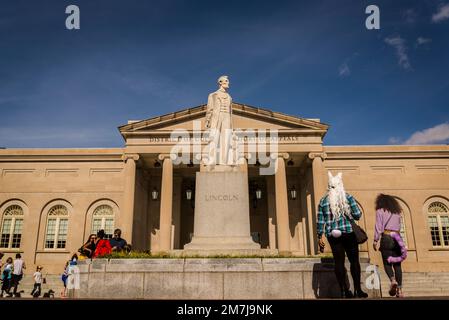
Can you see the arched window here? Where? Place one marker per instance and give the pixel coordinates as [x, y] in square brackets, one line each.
[57, 226]
[12, 227]
[438, 219]
[103, 218]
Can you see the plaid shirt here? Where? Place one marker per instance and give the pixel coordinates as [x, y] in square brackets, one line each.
[326, 223]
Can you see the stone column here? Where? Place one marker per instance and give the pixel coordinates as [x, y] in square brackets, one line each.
[176, 220]
[127, 216]
[166, 210]
[319, 189]
[282, 221]
[271, 203]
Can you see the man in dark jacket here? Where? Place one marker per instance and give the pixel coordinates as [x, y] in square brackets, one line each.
[117, 243]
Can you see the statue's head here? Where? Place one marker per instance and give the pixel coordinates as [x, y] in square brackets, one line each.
[223, 82]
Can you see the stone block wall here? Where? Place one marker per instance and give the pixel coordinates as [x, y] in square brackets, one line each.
[192, 278]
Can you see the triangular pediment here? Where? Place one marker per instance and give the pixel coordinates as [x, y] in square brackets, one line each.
[244, 117]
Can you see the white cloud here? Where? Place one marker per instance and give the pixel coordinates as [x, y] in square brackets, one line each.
[422, 40]
[409, 15]
[437, 134]
[394, 140]
[442, 14]
[343, 70]
[401, 50]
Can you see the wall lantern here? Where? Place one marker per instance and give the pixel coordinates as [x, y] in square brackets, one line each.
[189, 194]
[258, 194]
[293, 193]
[154, 194]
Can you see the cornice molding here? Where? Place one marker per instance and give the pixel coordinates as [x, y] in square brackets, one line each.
[387, 155]
[238, 109]
[167, 133]
[61, 155]
[61, 158]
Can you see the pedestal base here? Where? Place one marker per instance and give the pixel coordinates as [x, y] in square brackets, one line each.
[222, 243]
[225, 253]
[221, 212]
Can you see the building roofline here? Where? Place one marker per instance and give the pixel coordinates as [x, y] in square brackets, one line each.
[78, 154]
[386, 151]
[238, 108]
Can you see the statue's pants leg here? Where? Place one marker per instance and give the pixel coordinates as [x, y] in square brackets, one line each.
[225, 138]
[213, 145]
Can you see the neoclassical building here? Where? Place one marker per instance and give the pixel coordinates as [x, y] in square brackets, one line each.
[52, 199]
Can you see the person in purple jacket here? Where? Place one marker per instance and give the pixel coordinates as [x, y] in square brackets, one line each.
[392, 247]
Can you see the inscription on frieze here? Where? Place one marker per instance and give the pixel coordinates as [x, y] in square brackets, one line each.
[242, 139]
[221, 197]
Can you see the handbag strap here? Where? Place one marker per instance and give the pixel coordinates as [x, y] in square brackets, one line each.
[350, 218]
[391, 216]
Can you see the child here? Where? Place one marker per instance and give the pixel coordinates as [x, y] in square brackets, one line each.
[73, 260]
[64, 278]
[6, 278]
[37, 282]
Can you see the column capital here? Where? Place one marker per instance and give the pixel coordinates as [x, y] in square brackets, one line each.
[133, 156]
[283, 155]
[163, 156]
[199, 156]
[313, 155]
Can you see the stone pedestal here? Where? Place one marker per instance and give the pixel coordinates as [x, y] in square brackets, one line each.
[221, 212]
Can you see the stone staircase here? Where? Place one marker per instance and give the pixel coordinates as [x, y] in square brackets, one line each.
[415, 284]
[53, 282]
[419, 284]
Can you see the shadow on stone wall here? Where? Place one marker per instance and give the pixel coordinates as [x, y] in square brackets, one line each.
[324, 281]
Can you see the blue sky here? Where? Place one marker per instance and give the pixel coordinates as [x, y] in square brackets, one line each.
[138, 59]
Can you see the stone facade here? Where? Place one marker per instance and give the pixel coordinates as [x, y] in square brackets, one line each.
[52, 199]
